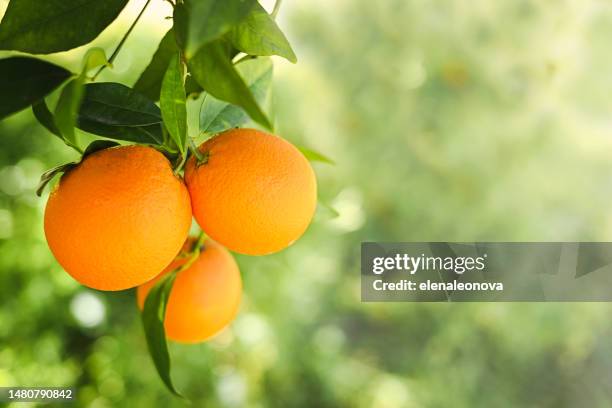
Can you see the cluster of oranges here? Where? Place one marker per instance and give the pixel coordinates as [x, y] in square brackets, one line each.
[121, 219]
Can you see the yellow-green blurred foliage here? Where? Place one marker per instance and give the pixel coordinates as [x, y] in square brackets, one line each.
[448, 120]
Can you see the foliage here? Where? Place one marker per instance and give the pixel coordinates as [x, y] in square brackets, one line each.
[49, 26]
[217, 115]
[25, 81]
[200, 45]
[444, 126]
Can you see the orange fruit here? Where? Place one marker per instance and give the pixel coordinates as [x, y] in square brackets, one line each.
[118, 218]
[255, 194]
[204, 298]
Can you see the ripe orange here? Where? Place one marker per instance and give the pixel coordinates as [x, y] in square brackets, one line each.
[205, 297]
[256, 193]
[118, 218]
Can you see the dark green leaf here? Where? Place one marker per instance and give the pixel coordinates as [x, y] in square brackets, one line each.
[115, 104]
[180, 16]
[48, 175]
[118, 112]
[151, 134]
[192, 88]
[210, 19]
[43, 27]
[98, 145]
[153, 316]
[173, 102]
[67, 109]
[217, 116]
[315, 156]
[25, 81]
[258, 34]
[45, 117]
[149, 83]
[213, 69]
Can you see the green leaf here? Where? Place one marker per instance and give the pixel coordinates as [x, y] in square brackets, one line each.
[208, 20]
[173, 102]
[213, 70]
[48, 175]
[45, 117]
[192, 88]
[43, 27]
[151, 134]
[94, 58]
[67, 109]
[25, 81]
[98, 145]
[217, 116]
[180, 16]
[68, 106]
[153, 316]
[315, 156]
[115, 104]
[118, 112]
[149, 83]
[258, 34]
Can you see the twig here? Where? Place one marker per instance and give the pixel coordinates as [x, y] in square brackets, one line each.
[123, 40]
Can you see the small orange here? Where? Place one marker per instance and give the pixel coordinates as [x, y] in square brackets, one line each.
[118, 218]
[204, 298]
[255, 194]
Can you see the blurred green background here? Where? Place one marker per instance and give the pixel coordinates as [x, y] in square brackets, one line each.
[448, 120]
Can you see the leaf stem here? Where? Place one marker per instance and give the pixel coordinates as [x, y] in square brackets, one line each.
[192, 258]
[181, 164]
[276, 8]
[200, 240]
[202, 158]
[122, 42]
[193, 254]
